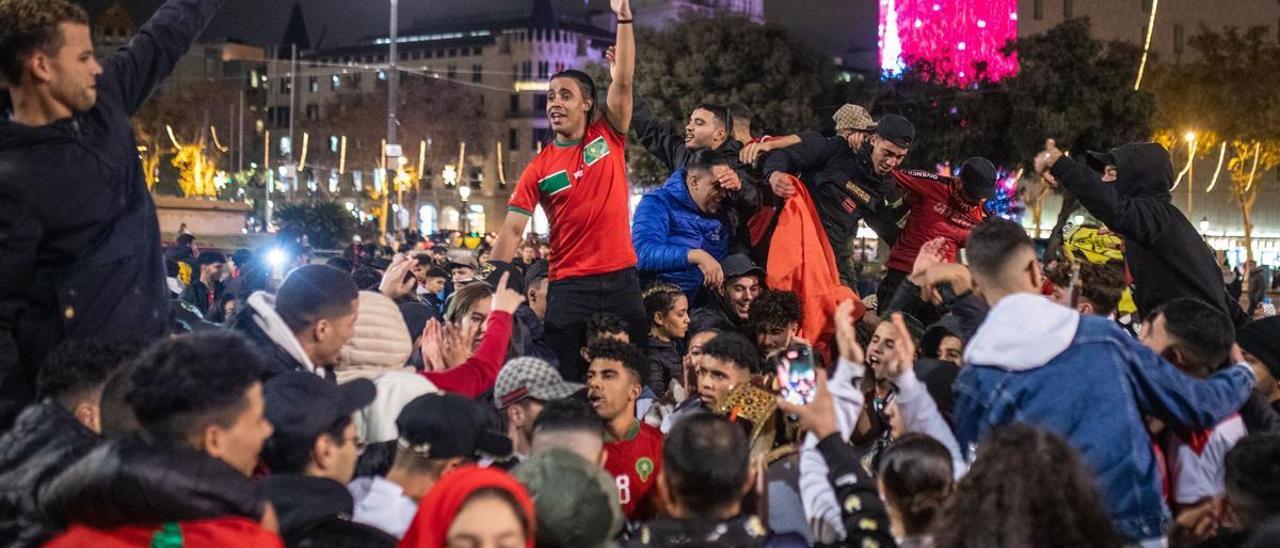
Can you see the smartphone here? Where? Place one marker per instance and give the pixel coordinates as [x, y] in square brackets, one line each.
[797, 376]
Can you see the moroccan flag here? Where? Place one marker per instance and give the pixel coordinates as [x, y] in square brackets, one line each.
[801, 261]
[209, 533]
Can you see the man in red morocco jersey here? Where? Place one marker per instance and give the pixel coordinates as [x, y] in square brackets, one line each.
[941, 207]
[580, 180]
[633, 448]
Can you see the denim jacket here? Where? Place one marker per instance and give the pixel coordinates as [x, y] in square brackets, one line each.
[1086, 380]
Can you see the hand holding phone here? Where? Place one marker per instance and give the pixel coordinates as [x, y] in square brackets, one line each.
[796, 375]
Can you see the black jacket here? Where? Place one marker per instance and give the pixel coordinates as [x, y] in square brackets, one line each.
[130, 482]
[197, 295]
[246, 321]
[715, 312]
[1166, 255]
[739, 532]
[317, 512]
[43, 442]
[668, 147]
[530, 336]
[665, 364]
[845, 189]
[80, 251]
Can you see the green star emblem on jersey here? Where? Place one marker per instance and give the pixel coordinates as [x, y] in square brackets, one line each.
[595, 150]
[644, 467]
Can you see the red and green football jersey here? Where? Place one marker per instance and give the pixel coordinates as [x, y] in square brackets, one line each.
[634, 463]
[582, 186]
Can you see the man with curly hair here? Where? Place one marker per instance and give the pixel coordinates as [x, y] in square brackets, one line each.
[80, 251]
[1098, 290]
[775, 319]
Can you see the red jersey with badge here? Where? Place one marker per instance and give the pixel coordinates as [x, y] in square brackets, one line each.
[582, 186]
[937, 211]
[634, 463]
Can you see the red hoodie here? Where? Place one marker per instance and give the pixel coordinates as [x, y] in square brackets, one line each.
[442, 504]
[937, 211]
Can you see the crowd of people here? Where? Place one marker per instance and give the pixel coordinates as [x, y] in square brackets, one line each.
[719, 370]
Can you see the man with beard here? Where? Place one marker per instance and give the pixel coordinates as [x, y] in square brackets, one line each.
[80, 253]
[730, 308]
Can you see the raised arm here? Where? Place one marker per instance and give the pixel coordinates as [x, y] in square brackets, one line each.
[656, 137]
[618, 101]
[136, 70]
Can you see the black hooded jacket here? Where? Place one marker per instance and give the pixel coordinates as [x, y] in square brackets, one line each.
[1166, 255]
[257, 321]
[43, 442]
[131, 482]
[80, 251]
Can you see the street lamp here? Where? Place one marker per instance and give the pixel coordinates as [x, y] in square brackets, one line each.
[464, 192]
[1204, 226]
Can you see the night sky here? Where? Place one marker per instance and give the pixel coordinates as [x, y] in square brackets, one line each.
[831, 26]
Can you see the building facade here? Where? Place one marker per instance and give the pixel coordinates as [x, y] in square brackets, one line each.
[507, 59]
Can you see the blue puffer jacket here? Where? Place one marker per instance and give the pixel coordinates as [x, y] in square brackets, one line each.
[1084, 379]
[667, 225]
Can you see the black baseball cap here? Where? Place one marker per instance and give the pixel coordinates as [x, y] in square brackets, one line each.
[538, 270]
[979, 177]
[301, 405]
[738, 265]
[445, 426]
[896, 129]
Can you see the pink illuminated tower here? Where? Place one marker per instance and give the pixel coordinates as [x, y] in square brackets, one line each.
[957, 36]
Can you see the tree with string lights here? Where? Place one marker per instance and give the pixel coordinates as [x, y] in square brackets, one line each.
[1227, 96]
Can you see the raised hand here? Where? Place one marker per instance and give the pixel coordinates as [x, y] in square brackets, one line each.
[622, 8]
[611, 55]
[396, 281]
[433, 346]
[847, 334]
[505, 299]
[949, 273]
[1046, 159]
[456, 345]
[931, 253]
[819, 416]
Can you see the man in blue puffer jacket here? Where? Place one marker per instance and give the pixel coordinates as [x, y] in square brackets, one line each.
[680, 233]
